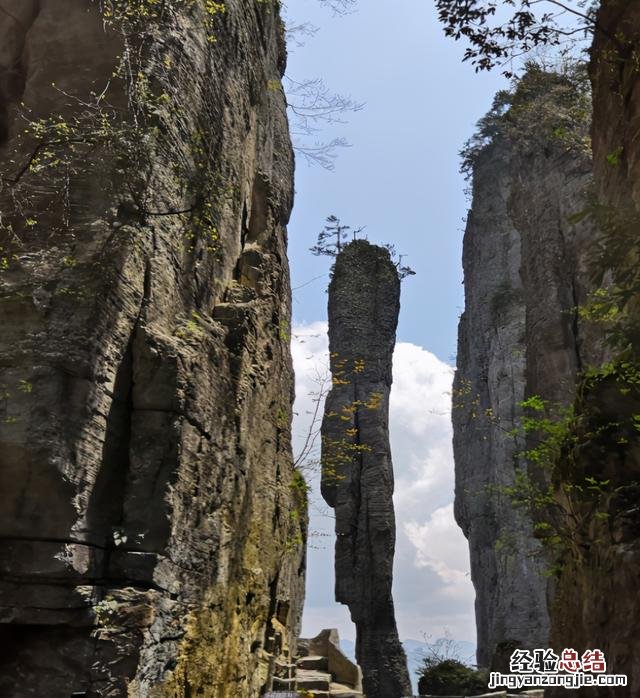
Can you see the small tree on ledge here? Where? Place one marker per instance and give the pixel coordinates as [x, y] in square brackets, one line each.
[333, 237]
[404, 270]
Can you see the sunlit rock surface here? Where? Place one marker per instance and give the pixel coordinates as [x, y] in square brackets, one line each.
[152, 535]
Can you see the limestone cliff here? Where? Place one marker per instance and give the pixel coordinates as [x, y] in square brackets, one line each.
[151, 527]
[357, 471]
[520, 336]
[597, 602]
[567, 243]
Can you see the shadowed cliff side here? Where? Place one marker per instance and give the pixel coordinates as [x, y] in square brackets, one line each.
[357, 472]
[151, 533]
[597, 603]
[520, 338]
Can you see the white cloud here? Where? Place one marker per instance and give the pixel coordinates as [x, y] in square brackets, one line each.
[441, 547]
[432, 589]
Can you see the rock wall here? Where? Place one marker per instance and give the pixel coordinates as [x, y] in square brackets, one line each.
[616, 98]
[525, 274]
[357, 471]
[571, 320]
[596, 602]
[152, 529]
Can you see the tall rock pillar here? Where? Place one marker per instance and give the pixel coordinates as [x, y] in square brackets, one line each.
[357, 472]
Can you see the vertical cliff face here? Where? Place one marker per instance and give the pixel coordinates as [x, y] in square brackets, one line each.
[357, 471]
[489, 385]
[616, 98]
[596, 602]
[520, 336]
[578, 355]
[151, 535]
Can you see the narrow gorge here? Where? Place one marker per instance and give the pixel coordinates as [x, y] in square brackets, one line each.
[521, 335]
[154, 523]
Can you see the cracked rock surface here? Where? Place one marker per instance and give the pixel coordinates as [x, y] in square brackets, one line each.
[520, 335]
[147, 532]
[357, 471]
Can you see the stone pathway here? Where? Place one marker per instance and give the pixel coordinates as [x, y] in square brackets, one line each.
[314, 681]
[321, 670]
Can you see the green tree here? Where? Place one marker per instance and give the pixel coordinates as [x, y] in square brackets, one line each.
[443, 674]
[496, 35]
[333, 237]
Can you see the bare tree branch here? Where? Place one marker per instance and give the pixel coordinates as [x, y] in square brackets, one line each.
[340, 7]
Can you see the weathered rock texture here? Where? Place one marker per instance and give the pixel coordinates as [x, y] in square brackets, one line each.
[152, 534]
[588, 360]
[597, 602]
[323, 654]
[519, 336]
[357, 472]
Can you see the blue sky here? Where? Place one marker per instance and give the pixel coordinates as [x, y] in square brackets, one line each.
[400, 179]
[400, 176]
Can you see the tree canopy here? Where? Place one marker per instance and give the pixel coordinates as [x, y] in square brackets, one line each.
[498, 32]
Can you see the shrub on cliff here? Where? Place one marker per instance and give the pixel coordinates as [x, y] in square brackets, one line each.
[333, 238]
[545, 109]
[450, 677]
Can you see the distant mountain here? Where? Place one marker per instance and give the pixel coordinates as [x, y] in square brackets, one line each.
[417, 650]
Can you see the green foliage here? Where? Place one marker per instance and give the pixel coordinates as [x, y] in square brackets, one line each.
[105, 611]
[340, 452]
[551, 427]
[495, 38]
[6, 257]
[450, 677]
[544, 108]
[113, 136]
[561, 496]
[614, 157]
[190, 329]
[564, 492]
[565, 475]
[135, 15]
[560, 486]
[403, 269]
[298, 512]
[299, 485]
[615, 258]
[284, 331]
[333, 237]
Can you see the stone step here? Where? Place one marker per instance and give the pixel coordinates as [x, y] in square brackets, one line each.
[338, 690]
[313, 662]
[310, 680]
[284, 662]
[280, 684]
[284, 670]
